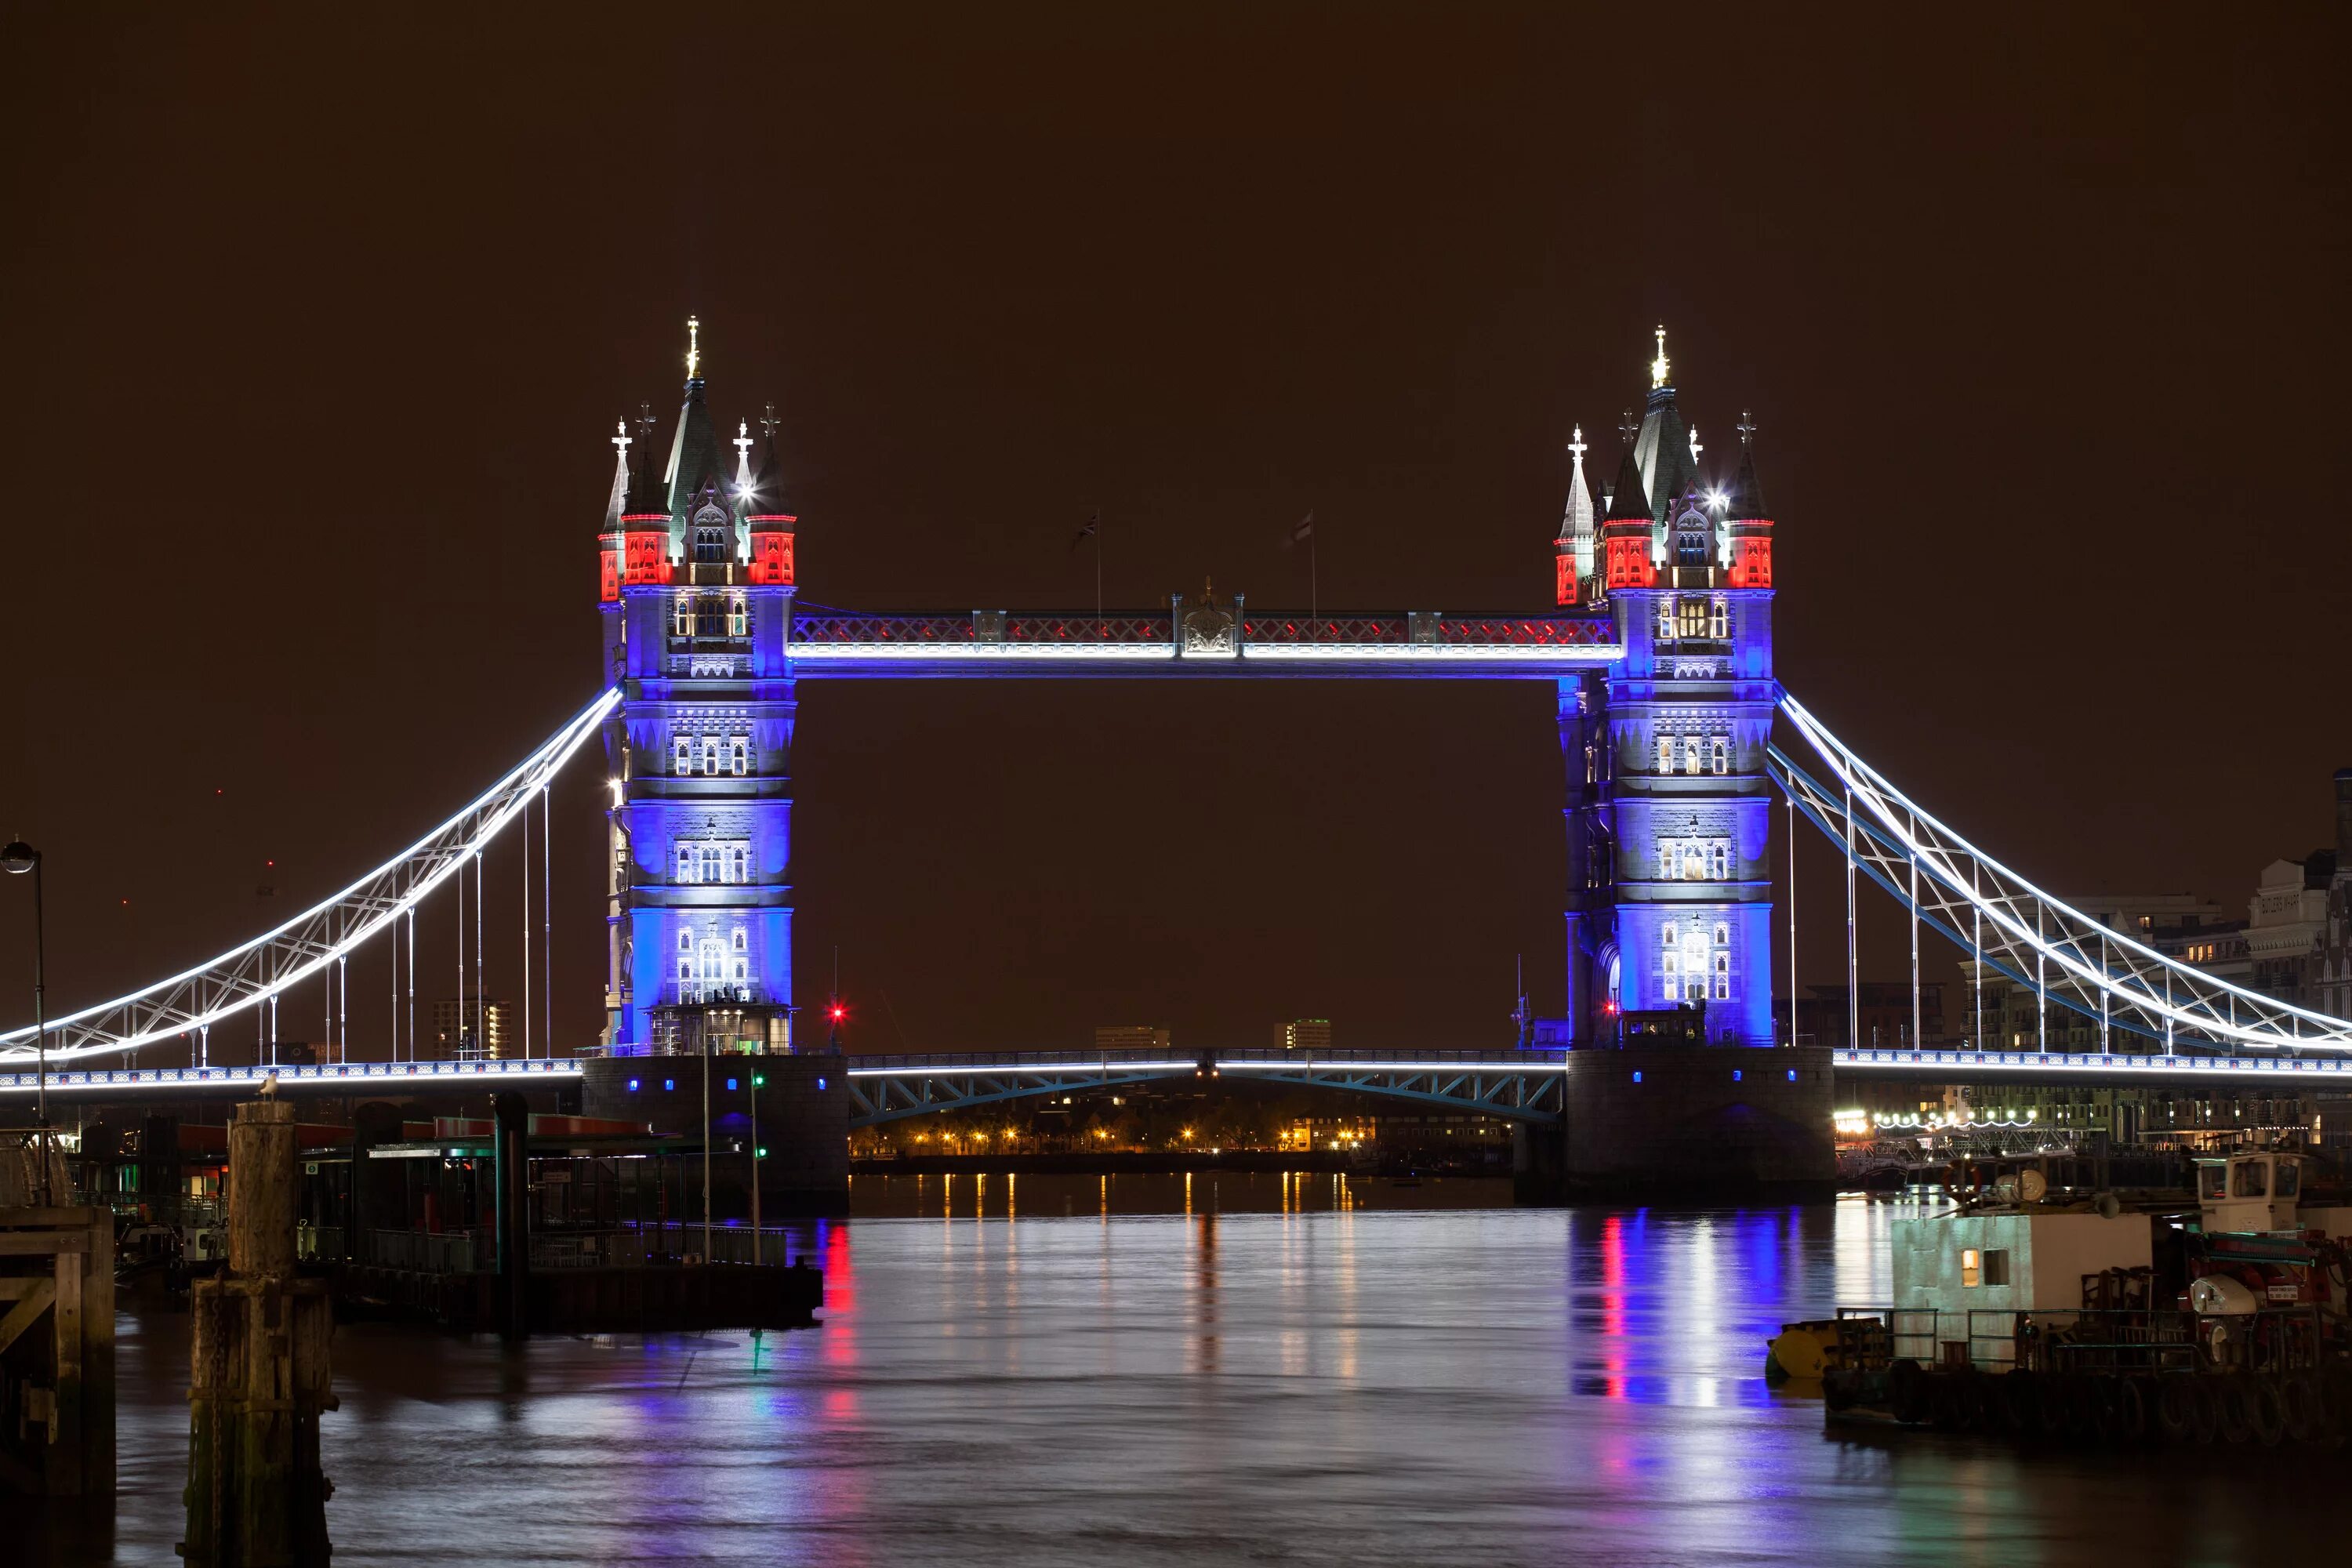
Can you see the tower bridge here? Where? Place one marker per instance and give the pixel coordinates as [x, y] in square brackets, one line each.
[1658, 648]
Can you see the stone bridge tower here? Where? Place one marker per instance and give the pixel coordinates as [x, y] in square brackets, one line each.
[696, 582]
[1670, 809]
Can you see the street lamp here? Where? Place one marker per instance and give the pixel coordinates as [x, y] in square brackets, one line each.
[19, 857]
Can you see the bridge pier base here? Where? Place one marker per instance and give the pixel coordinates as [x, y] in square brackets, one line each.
[1719, 1124]
[1538, 1164]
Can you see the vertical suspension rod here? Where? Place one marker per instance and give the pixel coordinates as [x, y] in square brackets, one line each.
[1852, 983]
[1792, 919]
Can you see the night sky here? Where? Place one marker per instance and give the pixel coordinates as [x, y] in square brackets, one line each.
[315, 329]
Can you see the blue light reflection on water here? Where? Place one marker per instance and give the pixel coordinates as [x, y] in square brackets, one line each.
[1286, 1369]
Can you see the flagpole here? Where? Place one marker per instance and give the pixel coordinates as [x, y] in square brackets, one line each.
[1314, 593]
[1099, 550]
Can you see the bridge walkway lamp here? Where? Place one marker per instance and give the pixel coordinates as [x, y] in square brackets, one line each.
[19, 857]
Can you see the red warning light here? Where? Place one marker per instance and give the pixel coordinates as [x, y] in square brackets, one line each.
[838, 1012]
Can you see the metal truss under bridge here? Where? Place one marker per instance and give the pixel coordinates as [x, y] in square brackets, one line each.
[1520, 1086]
[1998, 918]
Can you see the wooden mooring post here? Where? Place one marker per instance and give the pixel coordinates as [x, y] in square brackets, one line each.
[57, 1338]
[259, 1376]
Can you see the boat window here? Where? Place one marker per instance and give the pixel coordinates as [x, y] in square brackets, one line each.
[2246, 1181]
[1971, 1267]
[1996, 1266]
[2289, 1178]
[2213, 1181]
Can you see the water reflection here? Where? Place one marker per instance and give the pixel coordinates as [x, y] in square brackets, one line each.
[1298, 1370]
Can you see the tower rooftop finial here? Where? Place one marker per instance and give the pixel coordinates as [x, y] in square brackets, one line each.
[1576, 445]
[1658, 366]
[1747, 428]
[694, 347]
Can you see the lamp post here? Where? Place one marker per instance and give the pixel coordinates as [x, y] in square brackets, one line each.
[19, 857]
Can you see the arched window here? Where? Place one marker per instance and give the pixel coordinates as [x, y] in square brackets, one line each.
[739, 940]
[685, 874]
[738, 749]
[1694, 863]
[1718, 860]
[685, 941]
[1691, 545]
[1718, 753]
[1722, 936]
[1690, 755]
[738, 617]
[710, 545]
[1666, 753]
[682, 756]
[681, 618]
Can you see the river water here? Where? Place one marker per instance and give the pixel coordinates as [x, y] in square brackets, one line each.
[1219, 1369]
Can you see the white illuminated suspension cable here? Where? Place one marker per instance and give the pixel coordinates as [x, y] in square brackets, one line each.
[259, 972]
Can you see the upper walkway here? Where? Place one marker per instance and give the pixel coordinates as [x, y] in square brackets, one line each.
[1185, 640]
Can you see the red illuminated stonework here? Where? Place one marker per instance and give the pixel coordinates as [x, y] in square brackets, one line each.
[771, 552]
[1630, 565]
[648, 550]
[1751, 563]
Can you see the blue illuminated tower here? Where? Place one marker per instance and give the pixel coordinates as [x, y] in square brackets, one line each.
[1671, 811]
[697, 592]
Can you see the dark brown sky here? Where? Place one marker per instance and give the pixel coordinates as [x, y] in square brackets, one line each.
[314, 330]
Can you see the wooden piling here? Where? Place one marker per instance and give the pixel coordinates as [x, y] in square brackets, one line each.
[260, 1374]
[56, 1350]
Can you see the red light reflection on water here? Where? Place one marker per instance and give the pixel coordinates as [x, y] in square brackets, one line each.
[1613, 1305]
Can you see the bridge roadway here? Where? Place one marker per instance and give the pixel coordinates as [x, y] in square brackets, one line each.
[1520, 1086]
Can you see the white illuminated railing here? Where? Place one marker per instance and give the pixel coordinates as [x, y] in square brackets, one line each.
[2036, 939]
[369, 1076]
[268, 965]
[2095, 1064]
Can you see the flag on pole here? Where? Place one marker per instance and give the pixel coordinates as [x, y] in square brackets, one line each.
[1300, 531]
[1087, 532]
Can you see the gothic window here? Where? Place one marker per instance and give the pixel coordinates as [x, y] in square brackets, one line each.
[685, 971]
[738, 617]
[1693, 613]
[739, 940]
[711, 864]
[710, 617]
[1694, 862]
[1665, 859]
[1722, 977]
[709, 754]
[1718, 753]
[1666, 620]
[682, 616]
[682, 756]
[1693, 540]
[1718, 860]
[1666, 753]
[1690, 755]
[685, 941]
[738, 863]
[1591, 765]
[738, 759]
[1718, 618]
[1722, 936]
[684, 870]
[710, 545]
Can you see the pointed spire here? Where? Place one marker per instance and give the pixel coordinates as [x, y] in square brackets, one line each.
[742, 445]
[1745, 498]
[619, 500]
[768, 480]
[1576, 522]
[1628, 502]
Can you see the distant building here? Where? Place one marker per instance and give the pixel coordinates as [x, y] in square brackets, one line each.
[1303, 1035]
[455, 1021]
[1131, 1038]
[1824, 1019]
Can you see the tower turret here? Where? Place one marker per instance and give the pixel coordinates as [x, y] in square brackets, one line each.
[1750, 525]
[767, 513]
[1628, 535]
[1574, 567]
